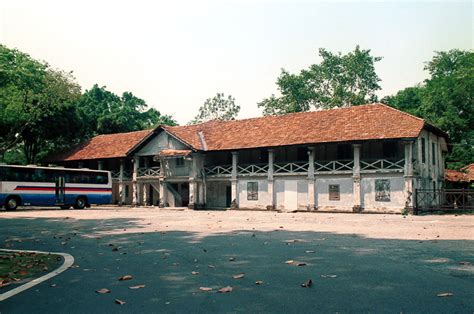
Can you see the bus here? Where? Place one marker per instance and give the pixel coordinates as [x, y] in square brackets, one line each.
[53, 186]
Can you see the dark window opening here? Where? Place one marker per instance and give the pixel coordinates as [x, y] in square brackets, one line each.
[423, 150]
[382, 190]
[344, 151]
[389, 149]
[179, 162]
[433, 148]
[334, 192]
[302, 154]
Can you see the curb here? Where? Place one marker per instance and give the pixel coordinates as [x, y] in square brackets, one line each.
[68, 261]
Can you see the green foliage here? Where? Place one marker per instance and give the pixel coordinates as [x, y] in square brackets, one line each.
[108, 113]
[445, 100]
[42, 110]
[338, 81]
[217, 108]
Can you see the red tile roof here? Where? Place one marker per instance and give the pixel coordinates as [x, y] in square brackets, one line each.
[366, 122]
[174, 152]
[466, 174]
[106, 146]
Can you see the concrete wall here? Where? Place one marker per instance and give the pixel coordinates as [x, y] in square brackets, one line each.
[345, 183]
[397, 193]
[264, 199]
[291, 193]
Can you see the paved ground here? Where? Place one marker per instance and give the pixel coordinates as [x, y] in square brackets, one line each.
[382, 263]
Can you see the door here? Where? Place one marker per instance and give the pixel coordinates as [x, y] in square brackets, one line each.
[228, 196]
[60, 190]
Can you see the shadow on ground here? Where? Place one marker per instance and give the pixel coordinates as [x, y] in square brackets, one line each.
[372, 275]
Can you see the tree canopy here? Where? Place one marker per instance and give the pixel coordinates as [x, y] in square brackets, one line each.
[338, 81]
[43, 111]
[217, 108]
[446, 100]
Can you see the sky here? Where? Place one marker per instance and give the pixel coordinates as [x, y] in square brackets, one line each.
[176, 54]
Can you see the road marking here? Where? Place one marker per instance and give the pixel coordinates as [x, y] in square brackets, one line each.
[68, 261]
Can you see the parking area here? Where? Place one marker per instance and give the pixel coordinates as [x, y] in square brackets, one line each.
[356, 262]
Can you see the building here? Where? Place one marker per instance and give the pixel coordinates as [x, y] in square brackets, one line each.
[361, 158]
[464, 178]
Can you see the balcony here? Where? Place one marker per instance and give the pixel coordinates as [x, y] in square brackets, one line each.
[127, 175]
[147, 173]
[301, 168]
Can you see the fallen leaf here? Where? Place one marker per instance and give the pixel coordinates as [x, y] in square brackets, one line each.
[238, 276]
[119, 302]
[445, 294]
[136, 287]
[103, 291]
[225, 289]
[194, 273]
[231, 259]
[309, 251]
[126, 277]
[328, 276]
[205, 288]
[259, 282]
[307, 284]
[211, 266]
[289, 261]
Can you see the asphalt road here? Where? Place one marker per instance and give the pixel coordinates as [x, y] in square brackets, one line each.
[365, 275]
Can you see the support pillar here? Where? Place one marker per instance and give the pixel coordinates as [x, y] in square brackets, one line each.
[136, 186]
[121, 186]
[271, 181]
[311, 179]
[408, 176]
[163, 199]
[356, 179]
[100, 165]
[234, 190]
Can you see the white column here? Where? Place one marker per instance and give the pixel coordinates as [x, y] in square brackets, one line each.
[193, 184]
[136, 186]
[356, 179]
[100, 165]
[162, 192]
[311, 179]
[271, 181]
[121, 187]
[234, 195]
[408, 176]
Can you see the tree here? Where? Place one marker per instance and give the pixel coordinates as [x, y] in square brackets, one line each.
[36, 106]
[217, 108]
[106, 112]
[338, 81]
[445, 100]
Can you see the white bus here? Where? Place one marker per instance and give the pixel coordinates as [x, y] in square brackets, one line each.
[47, 186]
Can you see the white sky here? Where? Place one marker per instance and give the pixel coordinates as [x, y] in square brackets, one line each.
[175, 54]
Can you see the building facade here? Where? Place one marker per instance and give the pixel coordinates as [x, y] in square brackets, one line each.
[363, 158]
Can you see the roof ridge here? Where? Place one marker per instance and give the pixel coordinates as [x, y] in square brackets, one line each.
[400, 111]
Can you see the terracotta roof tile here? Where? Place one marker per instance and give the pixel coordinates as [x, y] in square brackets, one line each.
[106, 146]
[375, 121]
[466, 174]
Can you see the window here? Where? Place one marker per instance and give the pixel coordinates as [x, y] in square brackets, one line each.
[433, 148]
[126, 191]
[389, 149]
[252, 191]
[344, 151]
[179, 162]
[382, 190]
[334, 192]
[423, 150]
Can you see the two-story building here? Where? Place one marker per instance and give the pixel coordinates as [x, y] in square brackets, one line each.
[361, 158]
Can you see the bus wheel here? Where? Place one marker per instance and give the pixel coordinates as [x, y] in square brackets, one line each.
[12, 203]
[80, 203]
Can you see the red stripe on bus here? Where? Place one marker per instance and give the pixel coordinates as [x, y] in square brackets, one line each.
[40, 188]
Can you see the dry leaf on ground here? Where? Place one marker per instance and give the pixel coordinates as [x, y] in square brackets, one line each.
[126, 277]
[225, 289]
[309, 251]
[328, 276]
[445, 294]
[238, 276]
[211, 266]
[137, 287]
[205, 288]
[307, 284]
[103, 291]
[194, 273]
[231, 259]
[259, 282]
[119, 302]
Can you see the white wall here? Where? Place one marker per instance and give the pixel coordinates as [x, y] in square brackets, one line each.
[264, 199]
[346, 201]
[291, 193]
[397, 194]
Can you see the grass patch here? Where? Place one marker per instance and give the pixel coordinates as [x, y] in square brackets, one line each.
[21, 267]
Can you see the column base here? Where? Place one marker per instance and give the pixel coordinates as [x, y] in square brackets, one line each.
[192, 206]
[234, 205]
[357, 209]
[270, 207]
[312, 207]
